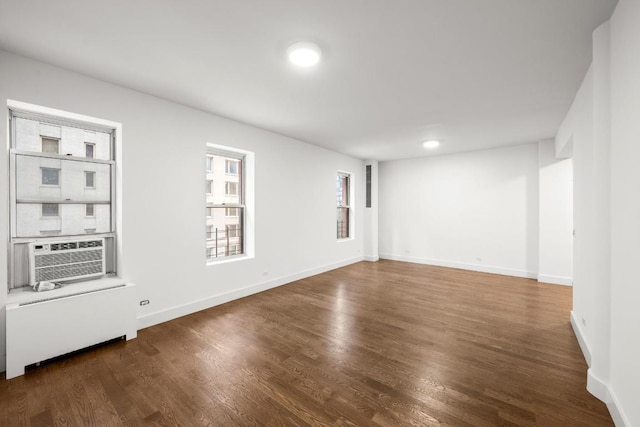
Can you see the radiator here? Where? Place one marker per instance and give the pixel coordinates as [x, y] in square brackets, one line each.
[54, 325]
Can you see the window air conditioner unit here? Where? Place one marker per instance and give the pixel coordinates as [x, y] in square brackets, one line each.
[66, 260]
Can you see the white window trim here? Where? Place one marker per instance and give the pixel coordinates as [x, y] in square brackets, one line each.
[87, 122]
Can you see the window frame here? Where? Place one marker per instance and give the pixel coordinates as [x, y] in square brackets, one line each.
[244, 187]
[50, 116]
[341, 205]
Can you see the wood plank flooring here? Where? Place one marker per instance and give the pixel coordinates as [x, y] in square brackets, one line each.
[371, 344]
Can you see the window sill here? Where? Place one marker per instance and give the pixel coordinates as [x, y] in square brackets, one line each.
[229, 259]
[346, 239]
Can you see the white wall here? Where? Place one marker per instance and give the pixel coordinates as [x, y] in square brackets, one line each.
[476, 210]
[603, 126]
[625, 208]
[555, 247]
[163, 178]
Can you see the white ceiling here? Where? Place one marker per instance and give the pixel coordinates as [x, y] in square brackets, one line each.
[474, 74]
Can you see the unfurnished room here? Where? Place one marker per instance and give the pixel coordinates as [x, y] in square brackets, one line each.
[326, 213]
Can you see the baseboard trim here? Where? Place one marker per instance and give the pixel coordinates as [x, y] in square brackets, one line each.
[464, 266]
[619, 418]
[371, 258]
[597, 387]
[162, 316]
[582, 342]
[555, 280]
[604, 392]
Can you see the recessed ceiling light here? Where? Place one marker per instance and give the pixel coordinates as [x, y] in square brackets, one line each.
[431, 144]
[304, 54]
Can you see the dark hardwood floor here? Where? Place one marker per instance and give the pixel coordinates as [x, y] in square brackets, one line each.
[386, 343]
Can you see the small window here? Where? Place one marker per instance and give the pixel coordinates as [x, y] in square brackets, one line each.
[89, 150]
[50, 209]
[209, 253]
[50, 145]
[231, 211]
[231, 188]
[231, 167]
[209, 212]
[344, 208]
[209, 186]
[89, 230]
[89, 210]
[233, 230]
[233, 250]
[209, 164]
[89, 179]
[210, 232]
[50, 176]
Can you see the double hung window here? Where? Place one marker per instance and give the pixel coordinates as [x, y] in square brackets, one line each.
[62, 184]
[344, 208]
[225, 220]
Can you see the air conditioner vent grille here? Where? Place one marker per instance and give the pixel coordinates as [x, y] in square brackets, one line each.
[71, 270]
[64, 246]
[62, 258]
[90, 244]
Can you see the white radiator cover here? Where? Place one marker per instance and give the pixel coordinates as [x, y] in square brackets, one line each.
[61, 323]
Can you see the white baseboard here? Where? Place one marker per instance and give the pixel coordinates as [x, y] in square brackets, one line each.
[604, 392]
[3, 363]
[555, 280]
[371, 258]
[195, 306]
[464, 266]
[582, 342]
[597, 387]
[619, 418]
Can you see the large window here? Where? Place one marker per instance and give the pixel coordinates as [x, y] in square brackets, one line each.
[54, 161]
[225, 217]
[344, 207]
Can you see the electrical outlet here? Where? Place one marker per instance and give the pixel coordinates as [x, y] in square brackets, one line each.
[144, 302]
[478, 259]
[584, 322]
[265, 273]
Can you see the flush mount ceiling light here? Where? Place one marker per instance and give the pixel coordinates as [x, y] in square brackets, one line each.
[304, 54]
[431, 144]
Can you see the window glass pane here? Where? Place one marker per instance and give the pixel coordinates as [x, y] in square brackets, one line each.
[50, 145]
[231, 167]
[231, 212]
[50, 176]
[50, 209]
[224, 233]
[343, 223]
[343, 190]
[231, 188]
[209, 163]
[90, 210]
[71, 180]
[89, 150]
[209, 186]
[90, 179]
